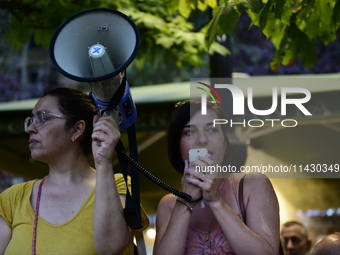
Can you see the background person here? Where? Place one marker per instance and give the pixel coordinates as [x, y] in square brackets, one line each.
[328, 245]
[295, 238]
[217, 226]
[76, 209]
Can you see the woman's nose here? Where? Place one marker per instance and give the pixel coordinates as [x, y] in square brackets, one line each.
[31, 128]
[202, 138]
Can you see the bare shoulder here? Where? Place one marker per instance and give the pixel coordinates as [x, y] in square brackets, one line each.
[256, 181]
[258, 188]
[262, 207]
[260, 199]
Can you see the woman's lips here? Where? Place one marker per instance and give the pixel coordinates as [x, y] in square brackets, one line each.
[32, 142]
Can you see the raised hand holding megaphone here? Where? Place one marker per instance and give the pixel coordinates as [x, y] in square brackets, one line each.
[96, 46]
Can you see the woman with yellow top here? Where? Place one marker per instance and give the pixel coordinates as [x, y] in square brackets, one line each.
[75, 209]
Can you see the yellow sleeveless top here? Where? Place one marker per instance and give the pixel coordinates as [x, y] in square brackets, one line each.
[71, 238]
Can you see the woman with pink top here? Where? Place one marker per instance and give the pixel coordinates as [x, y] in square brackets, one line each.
[213, 223]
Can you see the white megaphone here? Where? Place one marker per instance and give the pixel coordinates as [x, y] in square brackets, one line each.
[96, 46]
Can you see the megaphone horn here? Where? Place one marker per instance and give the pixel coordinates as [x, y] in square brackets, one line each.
[96, 46]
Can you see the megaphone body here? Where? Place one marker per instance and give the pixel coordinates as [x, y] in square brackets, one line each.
[96, 46]
[124, 113]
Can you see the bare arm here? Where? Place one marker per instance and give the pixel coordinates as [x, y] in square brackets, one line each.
[111, 233]
[262, 211]
[5, 235]
[172, 221]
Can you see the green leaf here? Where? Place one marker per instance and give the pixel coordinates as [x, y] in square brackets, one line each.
[62, 3]
[213, 26]
[254, 17]
[312, 24]
[149, 20]
[316, 20]
[306, 48]
[172, 6]
[327, 32]
[265, 13]
[270, 25]
[224, 20]
[253, 5]
[336, 15]
[183, 8]
[303, 12]
[275, 64]
[18, 34]
[43, 36]
[288, 52]
[279, 8]
[297, 42]
[218, 48]
[278, 35]
[286, 13]
[212, 3]
[229, 17]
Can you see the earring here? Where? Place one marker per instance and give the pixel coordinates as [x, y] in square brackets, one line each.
[74, 141]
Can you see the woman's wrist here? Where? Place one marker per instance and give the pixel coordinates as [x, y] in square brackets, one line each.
[104, 166]
[185, 204]
[196, 200]
[216, 204]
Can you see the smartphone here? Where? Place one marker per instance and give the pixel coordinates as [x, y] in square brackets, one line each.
[195, 153]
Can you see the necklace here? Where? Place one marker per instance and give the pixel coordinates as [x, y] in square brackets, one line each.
[37, 204]
[222, 184]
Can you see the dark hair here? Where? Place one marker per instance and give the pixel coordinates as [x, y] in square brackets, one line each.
[76, 105]
[179, 119]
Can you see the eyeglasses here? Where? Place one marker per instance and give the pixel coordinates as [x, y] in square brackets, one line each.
[39, 118]
[178, 104]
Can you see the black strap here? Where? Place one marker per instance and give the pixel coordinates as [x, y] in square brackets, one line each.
[115, 100]
[240, 200]
[124, 167]
[243, 211]
[132, 210]
[134, 201]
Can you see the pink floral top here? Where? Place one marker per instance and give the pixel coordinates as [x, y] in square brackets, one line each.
[200, 242]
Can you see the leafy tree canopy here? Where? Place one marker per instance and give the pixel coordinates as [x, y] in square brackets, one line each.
[167, 28]
[165, 34]
[293, 26]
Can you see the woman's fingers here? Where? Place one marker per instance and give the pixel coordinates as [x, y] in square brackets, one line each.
[105, 129]
[105, 137]
[203, 179]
